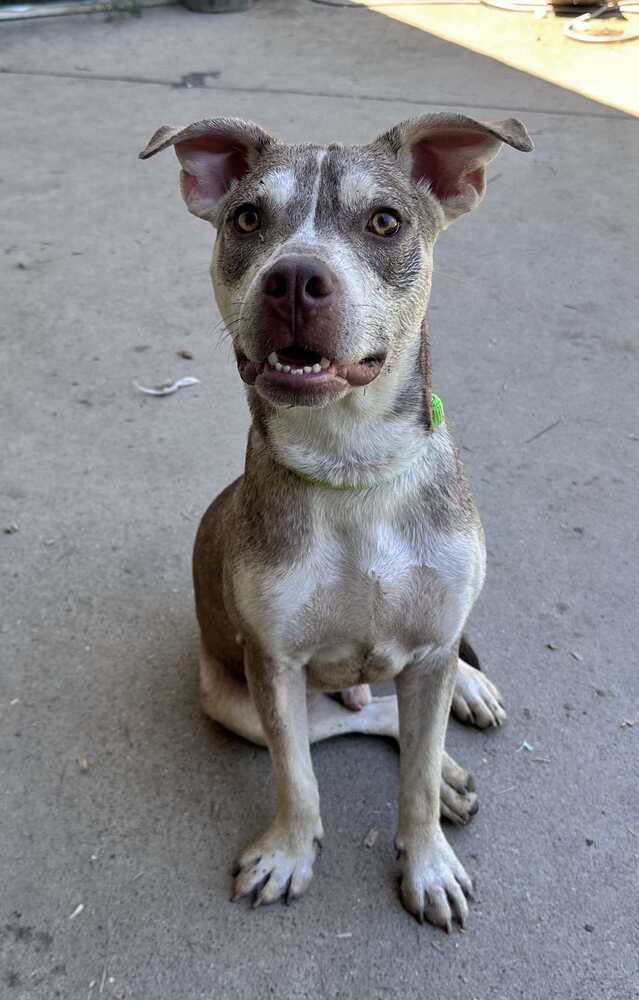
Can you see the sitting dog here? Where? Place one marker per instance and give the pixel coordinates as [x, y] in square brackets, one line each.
[350, 552]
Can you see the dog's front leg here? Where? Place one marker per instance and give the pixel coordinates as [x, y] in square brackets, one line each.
[434, 884]
[281, 862]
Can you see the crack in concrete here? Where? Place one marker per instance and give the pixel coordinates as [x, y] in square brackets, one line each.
[195, 79]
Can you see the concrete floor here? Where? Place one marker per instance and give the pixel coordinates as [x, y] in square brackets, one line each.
[116, 793]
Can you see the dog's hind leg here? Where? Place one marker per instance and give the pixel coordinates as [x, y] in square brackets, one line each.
[226, 699]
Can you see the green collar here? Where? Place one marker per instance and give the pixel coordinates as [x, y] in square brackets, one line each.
[436, 418]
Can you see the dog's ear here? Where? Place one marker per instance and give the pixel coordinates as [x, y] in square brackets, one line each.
[448, 153]
[214, 155]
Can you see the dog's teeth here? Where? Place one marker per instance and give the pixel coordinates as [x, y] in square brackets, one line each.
[296, 371]
[286, 368]
[272, 359]
[316, 369]
[307, 370]
[277, 366]
[325, 363]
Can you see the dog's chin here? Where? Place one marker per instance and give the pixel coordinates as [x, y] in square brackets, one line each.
[281, 396]
[295, 378]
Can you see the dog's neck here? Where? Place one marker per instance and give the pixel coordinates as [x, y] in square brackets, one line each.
[371, 436]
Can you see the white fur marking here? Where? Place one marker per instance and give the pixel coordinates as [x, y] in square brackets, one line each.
[280, 186]
[355, 537]
[307, 232]
[356, 189]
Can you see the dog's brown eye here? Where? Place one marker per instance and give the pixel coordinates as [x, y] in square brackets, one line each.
[247, 219]
[384, 223]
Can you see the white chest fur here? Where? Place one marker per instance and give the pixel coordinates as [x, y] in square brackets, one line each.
[374, 589]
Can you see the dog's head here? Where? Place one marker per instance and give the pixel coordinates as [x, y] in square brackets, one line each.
[323, 258]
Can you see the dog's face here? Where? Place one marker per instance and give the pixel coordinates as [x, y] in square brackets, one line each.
[322, 261]
[323, 258]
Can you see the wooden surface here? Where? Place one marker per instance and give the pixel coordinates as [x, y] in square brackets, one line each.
[605, 73]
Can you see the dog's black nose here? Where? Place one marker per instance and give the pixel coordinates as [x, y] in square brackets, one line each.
[297, 285]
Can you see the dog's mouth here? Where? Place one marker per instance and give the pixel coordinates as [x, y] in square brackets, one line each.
[299, 368]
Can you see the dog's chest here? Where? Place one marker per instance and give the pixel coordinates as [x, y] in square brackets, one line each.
[370, 592]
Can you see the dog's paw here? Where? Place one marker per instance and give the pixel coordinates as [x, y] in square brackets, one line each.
[434, 885]
[279, 865]
[457, 798]
[476, 700]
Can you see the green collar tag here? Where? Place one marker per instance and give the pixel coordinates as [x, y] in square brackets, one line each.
[436, 411]
[436, 418]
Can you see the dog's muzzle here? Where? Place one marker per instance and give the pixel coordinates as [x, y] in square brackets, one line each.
[300, 305]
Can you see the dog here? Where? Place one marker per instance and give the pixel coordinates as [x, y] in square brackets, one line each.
[350, 551]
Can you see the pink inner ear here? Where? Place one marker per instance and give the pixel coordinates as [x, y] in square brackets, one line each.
[450, 161]
[209, 166]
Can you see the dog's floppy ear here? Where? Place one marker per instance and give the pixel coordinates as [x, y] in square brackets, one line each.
[449, 154]
[214, 155]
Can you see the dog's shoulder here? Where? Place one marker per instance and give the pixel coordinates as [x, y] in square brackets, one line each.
[445, 498]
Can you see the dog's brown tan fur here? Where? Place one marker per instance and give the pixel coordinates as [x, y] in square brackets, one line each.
[350, 551]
